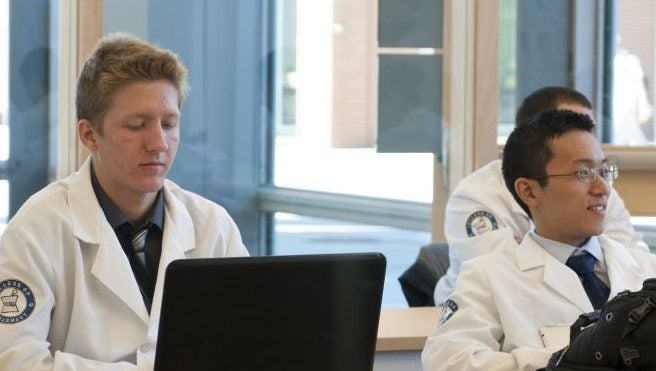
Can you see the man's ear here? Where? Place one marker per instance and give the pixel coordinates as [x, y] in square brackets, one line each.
[87, 134]
[526, 190]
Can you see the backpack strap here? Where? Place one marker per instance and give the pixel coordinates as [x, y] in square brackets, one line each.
[628, 351]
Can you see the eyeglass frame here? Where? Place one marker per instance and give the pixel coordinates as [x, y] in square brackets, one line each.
[612, 170]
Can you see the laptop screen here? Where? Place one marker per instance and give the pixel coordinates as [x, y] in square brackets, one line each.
[301, 312]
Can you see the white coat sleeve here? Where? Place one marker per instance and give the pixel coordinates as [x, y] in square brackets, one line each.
[473, 227]
[24, 344]
[470, 338]
[476, 224]
[617, 224]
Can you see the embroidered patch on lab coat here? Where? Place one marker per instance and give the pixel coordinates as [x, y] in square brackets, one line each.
[17, 301]
[448, 310]
[480, 222]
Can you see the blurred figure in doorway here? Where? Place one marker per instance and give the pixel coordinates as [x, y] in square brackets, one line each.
[631, 107]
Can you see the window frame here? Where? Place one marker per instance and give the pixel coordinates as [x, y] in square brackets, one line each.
[637, 163]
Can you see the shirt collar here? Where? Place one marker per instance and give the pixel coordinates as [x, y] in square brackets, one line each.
[562, 251]
[115, 216]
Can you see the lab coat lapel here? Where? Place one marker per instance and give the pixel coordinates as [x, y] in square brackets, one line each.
[178, 238]
[557, 276]
[112, 268]
[110, 265]
[618, 259]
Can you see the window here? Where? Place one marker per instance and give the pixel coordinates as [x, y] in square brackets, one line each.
[296, 234]
[4, 204]
[27, 66]
[312, 150]
[4, 110]
[219, 155]
[507, 68]
[325, 138]
[352, 83]
[604, 49]
[634, 67]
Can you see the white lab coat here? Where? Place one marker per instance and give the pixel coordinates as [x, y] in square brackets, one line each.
[89, 313]
[486, 190]
[506, 296]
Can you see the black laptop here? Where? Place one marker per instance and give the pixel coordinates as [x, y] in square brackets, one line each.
[300, 312]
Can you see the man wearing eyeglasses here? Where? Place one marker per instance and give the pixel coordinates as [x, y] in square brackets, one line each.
[512, 308]
[482, 215]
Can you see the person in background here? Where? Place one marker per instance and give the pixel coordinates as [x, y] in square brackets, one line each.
[631, 106]
[513, 307]
[82, 262]
[481, 214]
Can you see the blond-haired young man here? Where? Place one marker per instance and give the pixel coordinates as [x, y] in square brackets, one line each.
[82, 262]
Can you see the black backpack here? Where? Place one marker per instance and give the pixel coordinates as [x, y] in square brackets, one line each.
[619, 336]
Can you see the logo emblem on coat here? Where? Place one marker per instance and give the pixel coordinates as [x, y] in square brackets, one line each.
[16, 301]
[480, 222]
[448, 310]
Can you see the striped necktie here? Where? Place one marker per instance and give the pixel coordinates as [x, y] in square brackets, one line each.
[138, 243]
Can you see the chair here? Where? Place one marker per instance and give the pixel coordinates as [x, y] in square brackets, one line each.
[419, 280]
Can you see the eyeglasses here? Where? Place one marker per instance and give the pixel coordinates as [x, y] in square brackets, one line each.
[589, 175]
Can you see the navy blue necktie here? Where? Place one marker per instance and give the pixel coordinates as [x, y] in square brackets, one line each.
[597, 290]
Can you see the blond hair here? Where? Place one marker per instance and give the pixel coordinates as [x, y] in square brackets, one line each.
[116, 61]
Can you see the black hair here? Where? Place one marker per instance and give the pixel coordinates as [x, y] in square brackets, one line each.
[549, 97]
[527, 150]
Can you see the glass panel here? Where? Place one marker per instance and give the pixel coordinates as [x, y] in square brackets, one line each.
[507, 67]
[4, 141]
[4, 195]
[646, 225]
[219, 42]
[4, 82]
[633, 73]
[4, 204]
[410, 23]
[294, 234]
[534, 42]
[28, 65]
[535, 36]
[410, 103]
[285, 73]
[335, 102]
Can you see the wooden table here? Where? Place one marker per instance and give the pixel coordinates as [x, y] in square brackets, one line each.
[401, 337]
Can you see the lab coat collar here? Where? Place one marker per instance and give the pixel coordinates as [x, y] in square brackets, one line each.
[88, 217]
[111, 266]
[623, 270]
[177, 239]
[560, 278]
